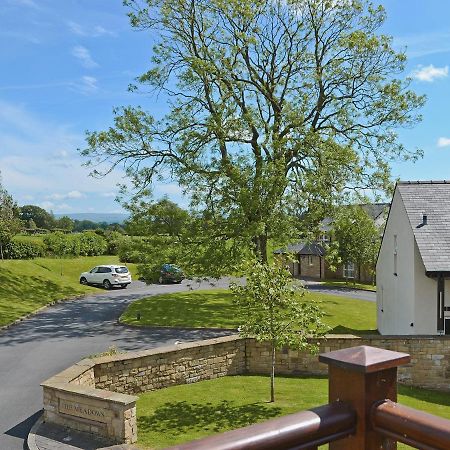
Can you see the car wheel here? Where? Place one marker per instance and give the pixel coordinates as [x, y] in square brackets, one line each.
[107, 284]
[123, 286]
[83, 281]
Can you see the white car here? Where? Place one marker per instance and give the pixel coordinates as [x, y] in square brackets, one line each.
[107, 276]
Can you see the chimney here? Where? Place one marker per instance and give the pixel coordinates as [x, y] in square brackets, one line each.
[424, 219]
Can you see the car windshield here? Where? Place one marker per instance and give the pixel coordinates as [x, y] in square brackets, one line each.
[121, 270]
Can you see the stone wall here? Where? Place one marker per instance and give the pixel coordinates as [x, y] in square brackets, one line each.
[71, 400]
[159, 368]
[429, 367]
[93, 395]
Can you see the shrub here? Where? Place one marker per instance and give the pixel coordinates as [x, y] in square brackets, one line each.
[17, 249]
[91, 244]
[78, 244]
[132, 250]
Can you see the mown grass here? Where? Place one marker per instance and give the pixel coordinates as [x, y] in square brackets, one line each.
[350, 285]
[27, 285]
[183, 413]
[215, 309]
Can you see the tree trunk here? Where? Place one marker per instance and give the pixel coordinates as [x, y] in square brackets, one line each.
[1, 250]
[260, 244]
[272, 375]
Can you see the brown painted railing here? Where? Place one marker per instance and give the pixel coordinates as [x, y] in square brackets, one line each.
[412, 427]
[303, 430]
[362, 414]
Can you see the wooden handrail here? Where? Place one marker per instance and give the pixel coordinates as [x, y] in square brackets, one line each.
[410, 426]
[303, 430]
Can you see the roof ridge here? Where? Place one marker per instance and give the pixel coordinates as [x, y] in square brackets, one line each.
[403, 182]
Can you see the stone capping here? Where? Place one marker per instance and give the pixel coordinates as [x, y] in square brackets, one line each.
[166, 349]
[64, 382]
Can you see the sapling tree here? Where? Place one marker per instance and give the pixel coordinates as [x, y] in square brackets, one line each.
[273, 309]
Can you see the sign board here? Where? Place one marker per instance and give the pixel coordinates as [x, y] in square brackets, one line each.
[85, 411]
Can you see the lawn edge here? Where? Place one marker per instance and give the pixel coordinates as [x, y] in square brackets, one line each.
[42, 308]
[134, 326]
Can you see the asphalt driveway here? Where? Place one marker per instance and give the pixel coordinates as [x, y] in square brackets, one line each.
[61, 335]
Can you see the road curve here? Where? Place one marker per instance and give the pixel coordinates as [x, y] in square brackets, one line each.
[61, 335]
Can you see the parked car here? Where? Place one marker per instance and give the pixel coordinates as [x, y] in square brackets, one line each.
[107, 276]
[170, 273]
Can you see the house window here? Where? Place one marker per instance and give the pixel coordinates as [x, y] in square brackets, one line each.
[395, 254]
[310, 260]
[349, 270]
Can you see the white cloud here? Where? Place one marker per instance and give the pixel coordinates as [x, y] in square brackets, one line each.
[85, 31]
[430, 73]
[84, 56]
[34, 167]
[71, 194]
[88, 85]
[443, 142]
[50, 206]
[61, 153]
[29, 3]
[109, 194]
[424, 44]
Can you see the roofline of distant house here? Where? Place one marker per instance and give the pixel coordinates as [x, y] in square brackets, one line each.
[423, 182]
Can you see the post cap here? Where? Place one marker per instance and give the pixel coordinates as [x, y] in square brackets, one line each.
[364, 359]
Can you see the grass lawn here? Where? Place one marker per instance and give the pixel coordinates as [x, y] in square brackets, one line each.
[215, 309]
[350, 284]
[182, 413]
[27, 285]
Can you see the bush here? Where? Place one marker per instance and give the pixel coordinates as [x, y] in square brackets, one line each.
[149, 272]
[91, 244]
[78, 244]
[24, 250]
[115, 240]
[132, 250]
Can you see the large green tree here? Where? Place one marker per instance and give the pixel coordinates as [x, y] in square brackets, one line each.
[40, 216]
[163, 217]
[10, 223]
[356, 238]
[271, 103]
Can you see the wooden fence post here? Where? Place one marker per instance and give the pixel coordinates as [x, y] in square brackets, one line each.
[363, 376]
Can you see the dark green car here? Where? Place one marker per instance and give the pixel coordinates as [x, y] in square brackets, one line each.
[170, 273]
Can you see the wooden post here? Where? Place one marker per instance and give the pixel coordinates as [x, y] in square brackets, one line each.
[363, 376]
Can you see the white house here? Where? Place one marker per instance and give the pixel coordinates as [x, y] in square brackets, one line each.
[413, 267]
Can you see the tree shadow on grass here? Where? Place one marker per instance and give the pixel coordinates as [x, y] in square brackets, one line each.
[340, 329]
[179, 417]
[426, 395]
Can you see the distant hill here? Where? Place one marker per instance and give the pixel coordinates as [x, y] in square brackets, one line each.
[97, 217]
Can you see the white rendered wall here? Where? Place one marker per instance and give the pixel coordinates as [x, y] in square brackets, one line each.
[426, 298]
[396, 294]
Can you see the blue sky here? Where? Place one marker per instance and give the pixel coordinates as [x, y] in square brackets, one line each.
[67, 63]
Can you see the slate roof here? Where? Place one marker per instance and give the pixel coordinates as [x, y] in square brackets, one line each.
[303, 248]
[375, 210]
[430, 198]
